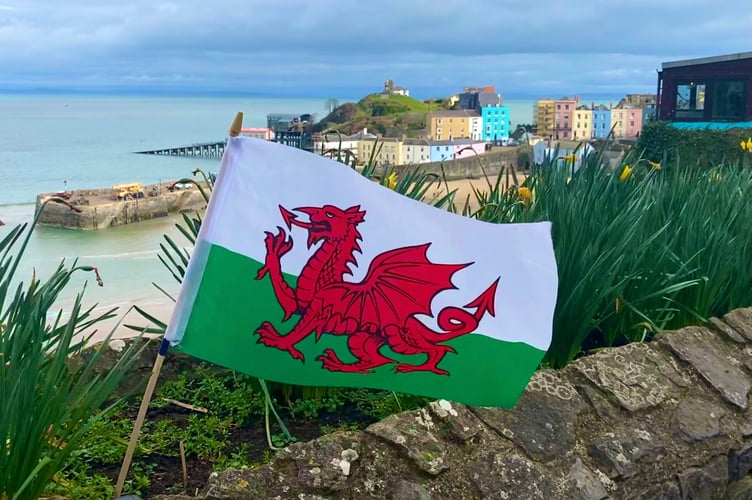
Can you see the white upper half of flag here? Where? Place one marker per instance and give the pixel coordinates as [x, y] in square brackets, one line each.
[258, 176]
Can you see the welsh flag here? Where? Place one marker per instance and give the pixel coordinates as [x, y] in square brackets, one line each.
[305, 272]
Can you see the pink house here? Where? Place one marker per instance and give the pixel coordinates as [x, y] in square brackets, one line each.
[258, 133]
[633, 125]
[467, 148]
[564, 110]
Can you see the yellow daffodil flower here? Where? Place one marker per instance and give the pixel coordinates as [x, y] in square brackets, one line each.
[743, 145]
[625, 174]
[570, 157]
[656, 166]
[525, 193]
[749, 145]
[391, 181]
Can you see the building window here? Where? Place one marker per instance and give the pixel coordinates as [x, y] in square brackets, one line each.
[631, 124]
[728, 100]
[558, 106]
[566, 106]
[690, 100]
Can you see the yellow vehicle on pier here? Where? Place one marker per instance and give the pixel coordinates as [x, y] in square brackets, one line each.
[129, 191]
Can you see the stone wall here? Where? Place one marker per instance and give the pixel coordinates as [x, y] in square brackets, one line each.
[669, 419]
[470, 167]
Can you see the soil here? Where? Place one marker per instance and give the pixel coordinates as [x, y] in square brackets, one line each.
[167, 475]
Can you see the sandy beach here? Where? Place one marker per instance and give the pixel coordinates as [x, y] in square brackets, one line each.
[465, 187]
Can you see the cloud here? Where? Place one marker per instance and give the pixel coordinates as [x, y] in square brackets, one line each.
[537, 46]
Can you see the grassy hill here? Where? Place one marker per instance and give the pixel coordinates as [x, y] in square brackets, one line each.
[387, 115]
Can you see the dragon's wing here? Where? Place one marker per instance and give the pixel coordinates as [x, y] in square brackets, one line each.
[399, 283]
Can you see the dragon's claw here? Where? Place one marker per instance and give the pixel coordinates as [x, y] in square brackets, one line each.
[330, 361]
[269, 336]
[405, 368]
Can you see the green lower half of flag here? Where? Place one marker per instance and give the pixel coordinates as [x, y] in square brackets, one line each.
[231, 304]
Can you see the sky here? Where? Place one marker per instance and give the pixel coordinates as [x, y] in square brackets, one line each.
[346, 48]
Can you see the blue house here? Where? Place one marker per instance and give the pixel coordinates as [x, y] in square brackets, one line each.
[441, 150]
[601, 121]
[495, 126]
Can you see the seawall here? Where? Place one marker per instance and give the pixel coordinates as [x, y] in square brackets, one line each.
[99, 211]
[468, 167]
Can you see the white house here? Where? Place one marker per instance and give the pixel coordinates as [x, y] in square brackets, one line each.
[416, 151]
[329, 142]
[556, 152]
[476, 127]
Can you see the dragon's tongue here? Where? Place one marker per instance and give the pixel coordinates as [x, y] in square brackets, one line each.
[311, 239]
[292, 220]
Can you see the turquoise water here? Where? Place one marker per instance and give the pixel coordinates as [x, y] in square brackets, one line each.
[89, 141]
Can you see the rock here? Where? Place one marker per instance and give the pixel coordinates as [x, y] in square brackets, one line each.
[407, 490]
[455, 421]
[325, 463]
[706, 482]
[413, 432]
[741, 321]
[747, 427]
[740, 490]
[704, 351]
[616, 454]
[740, 463]
[542, 422]
[663, 491]
[698, 419]
[600, 403]
[584, 484]
[510, 476]
[637, 375]
[301, 471]
[236, 484]
[725, 329]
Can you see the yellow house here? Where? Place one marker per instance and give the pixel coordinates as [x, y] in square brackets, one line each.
[450, 124]
[583, 124]
[545, 117]
[619, 118]
[389, 151]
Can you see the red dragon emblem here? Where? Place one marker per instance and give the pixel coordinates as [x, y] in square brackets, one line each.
[378, 311]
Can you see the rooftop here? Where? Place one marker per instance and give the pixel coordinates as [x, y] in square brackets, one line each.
[454, 142]
[707, 60]
[416, 142]
[455, 112]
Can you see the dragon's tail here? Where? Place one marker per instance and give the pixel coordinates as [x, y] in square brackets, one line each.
[455, 321]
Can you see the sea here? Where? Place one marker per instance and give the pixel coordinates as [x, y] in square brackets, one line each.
[50, 142]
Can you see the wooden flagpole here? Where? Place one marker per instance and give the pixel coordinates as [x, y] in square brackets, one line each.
[234, 131]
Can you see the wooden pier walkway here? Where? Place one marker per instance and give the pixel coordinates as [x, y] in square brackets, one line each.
[203, 150]
[301, 140]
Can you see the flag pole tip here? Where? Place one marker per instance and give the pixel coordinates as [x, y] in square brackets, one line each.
[237, 125]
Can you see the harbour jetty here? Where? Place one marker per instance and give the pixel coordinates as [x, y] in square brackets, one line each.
[118, 205]
[203, 150]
